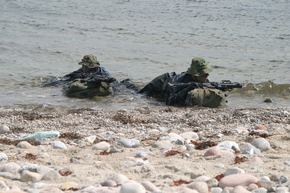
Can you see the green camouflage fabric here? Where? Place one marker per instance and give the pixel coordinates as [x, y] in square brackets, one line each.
[83, 89]
[199, 67]
[90, 61]
[206, 97]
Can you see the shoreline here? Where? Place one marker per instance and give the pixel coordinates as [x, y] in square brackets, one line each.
[166, 146]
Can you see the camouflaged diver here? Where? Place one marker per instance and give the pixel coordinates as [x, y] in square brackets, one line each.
[89, 81]
[175, 89]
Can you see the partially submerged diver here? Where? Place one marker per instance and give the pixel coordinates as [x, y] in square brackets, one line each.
[184, 89]
[88, 81]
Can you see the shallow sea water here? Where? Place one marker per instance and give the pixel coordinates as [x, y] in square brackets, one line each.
[244, 41]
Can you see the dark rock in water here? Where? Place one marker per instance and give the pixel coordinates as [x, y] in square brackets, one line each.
[268, 100]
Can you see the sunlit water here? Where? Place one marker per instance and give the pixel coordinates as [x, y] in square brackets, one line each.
[244, 41]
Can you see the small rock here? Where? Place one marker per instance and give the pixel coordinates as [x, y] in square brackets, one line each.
[163, 145]
[142, 154]
[240, 189]
[200, 187]
[260, 127]
[28, 176]
[102, 146]
[69, 186]
[4, 129]
[149, 186]
[213, 151]
[173, 137]
[253, 187]
[3, 186]
[10, 167]
[229, 145]
[24, 145]
[235, 170]
[268, 100]
[3, 157]
[91, 139]
[129, 142]
[283, 179]
[190, 136]
[216, 190]
[52, 176]
[261, 143]
[282, 190]
[237, 179]
[109, 183]
[248, 148]
[118, 178]
[260, 190]
[132, 187]
[58, 145]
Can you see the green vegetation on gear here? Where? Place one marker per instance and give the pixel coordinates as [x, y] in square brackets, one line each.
[206, 97]
[199, 67]
[82, 89]
[90, 61]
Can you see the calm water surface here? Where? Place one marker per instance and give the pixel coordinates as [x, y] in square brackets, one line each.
[244, 40]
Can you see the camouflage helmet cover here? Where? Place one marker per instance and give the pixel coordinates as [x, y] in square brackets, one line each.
[199, 67]
[90, 61]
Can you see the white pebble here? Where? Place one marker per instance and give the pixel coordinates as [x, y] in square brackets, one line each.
[3, 157]
[102, 146]
[4, 129]
[58, 145]
[132, 187]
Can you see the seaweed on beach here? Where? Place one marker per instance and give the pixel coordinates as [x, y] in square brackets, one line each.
[203, 144]
[7, 141]
[70, 135]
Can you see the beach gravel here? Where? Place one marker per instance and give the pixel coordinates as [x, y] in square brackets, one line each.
[144, 149]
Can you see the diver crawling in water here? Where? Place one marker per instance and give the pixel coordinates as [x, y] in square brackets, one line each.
[190, 88]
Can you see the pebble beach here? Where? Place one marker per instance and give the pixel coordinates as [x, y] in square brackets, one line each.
[144, 150]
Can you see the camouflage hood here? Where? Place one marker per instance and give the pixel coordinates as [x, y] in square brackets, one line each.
[90, 61]
[199, 67]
